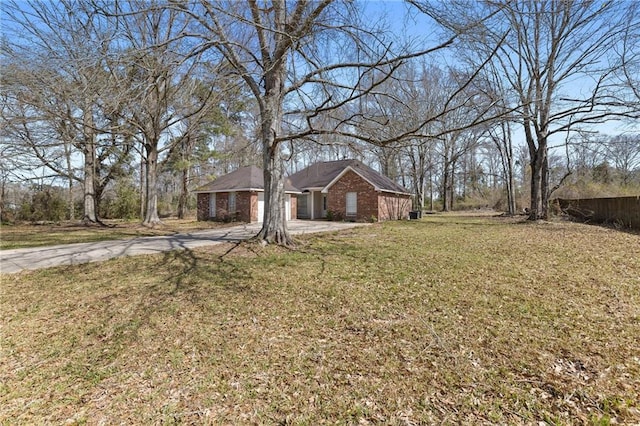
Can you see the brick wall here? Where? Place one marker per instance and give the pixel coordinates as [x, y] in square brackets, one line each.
[393, 206]
[203, 206]
[367, 201]
[222, 203]
[243, 206]
[254, 206]
[246, 206]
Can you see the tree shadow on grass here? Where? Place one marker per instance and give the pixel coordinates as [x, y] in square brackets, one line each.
[187, 280]
[190, 272]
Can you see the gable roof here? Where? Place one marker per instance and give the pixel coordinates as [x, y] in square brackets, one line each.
[250, 178]
[323, 175]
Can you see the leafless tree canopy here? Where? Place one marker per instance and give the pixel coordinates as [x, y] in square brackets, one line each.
[557, 61]
[155, 97]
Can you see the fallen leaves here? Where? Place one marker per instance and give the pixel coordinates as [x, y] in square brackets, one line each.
[445, 320]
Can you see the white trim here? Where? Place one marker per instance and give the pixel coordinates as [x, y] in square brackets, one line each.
[206, 191]
[239, 190]
[287, 207]
[312, 212]
[260, 206]
[325, 190]
[212, 203]
[342, 173]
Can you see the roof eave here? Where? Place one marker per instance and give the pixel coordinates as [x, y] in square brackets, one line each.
[210, 191]
[394, 192]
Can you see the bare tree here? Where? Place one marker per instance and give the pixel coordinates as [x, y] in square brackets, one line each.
[624, 153]
[165, 102]
[301, 61]
[60, 86]
[500, 132]
[550, 45]
[219, 117]
[629, 53]
[501, 136]
[459, 134]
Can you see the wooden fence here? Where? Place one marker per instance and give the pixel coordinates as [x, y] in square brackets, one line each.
[624, 211]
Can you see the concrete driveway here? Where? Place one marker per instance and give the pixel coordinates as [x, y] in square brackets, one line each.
[12, 261]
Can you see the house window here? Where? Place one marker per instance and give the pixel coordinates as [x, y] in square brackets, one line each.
[232, 202]
[352, 203]
[212, 204]
[324, 203]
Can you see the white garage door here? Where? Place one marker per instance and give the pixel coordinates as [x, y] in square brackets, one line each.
[287, 206]
[287, 203]
[260, 206]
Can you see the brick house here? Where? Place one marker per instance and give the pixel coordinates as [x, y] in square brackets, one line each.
[240, 196]
[350, 190]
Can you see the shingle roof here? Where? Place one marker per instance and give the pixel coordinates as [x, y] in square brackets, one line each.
[243, 179]
[319, 175]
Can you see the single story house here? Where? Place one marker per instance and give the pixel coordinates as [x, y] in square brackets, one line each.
[240, 196]
[348, 189]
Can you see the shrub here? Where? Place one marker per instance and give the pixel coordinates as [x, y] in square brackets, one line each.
[47, 204]
[123, 202]
[335, 216]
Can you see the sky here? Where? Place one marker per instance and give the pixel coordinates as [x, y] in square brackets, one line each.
[404, 21]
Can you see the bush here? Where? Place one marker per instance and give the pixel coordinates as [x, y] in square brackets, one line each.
[470, 203]
[333, 215]
[47, 204]
[121, 203]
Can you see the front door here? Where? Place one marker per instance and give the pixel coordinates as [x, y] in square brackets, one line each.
[260, 206]
[287, 206]
[324, 205]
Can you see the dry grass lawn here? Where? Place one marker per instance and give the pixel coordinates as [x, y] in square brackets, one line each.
[29, 235]
[453, 320]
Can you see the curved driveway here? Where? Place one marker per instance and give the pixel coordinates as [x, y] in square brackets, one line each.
[12, 261]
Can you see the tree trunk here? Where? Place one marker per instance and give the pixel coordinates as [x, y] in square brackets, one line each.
[510, 184]
[420, 193]
[418, 175]
[505, 148]
[511, 189]
[143, 187]
[89, 150]
[70, 204]
[2, 198]
[544, 188]
[448, 185]
[184, 193]
[90, 215]
[445, 187]
[539, 174]
[431, 187]
[274, 226]
[151, 217]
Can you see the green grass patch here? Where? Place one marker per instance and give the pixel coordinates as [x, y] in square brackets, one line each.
[445, 320]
